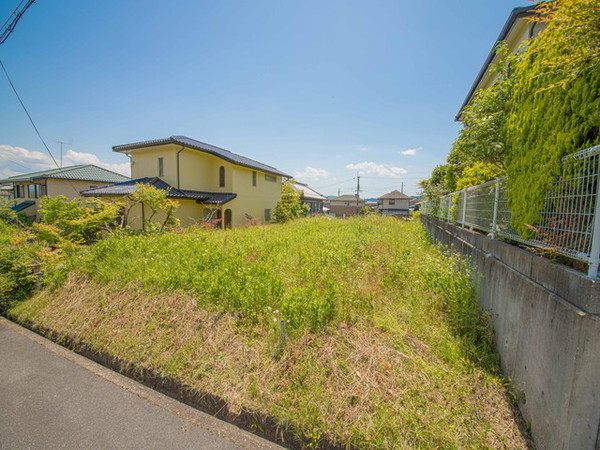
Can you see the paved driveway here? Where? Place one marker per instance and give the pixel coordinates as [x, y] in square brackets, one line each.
[53, 398]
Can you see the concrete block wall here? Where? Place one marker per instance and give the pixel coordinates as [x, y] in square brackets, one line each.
[546, 320]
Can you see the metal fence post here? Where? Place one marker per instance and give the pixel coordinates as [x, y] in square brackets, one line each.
[449, 208]
[464, 212]
[594, 261]
[495, 218]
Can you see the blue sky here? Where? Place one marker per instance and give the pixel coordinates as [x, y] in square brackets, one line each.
[319, 89]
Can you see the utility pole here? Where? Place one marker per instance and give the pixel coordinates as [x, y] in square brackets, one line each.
[61, 150]
[402, 188]
[357, 191]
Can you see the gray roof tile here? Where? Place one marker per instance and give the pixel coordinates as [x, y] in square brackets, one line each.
[128, 187]
[86, 172]
[203, 147]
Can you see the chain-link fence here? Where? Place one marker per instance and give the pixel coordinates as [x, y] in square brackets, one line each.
[568, 223]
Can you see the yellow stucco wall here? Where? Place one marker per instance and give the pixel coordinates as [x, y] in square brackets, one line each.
[189, 213]
[54, 188]
[199, 171]
[398, 203]
[70, 188]
[520, 32]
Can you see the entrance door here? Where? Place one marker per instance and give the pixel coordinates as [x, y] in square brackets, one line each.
[220, 218]
[227, 218]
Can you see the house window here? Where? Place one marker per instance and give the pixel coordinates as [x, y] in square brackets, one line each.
[161, 167]
[267, 215]
[254, 178]
[392, 202]
[42, 190]
[271, 178]
[221, 176]
[32, 191]
[20, 191]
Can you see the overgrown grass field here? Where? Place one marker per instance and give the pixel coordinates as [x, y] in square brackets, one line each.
[384, 344]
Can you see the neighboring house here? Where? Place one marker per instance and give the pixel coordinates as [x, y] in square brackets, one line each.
[517, 29]
[66, 181]
[311, 197]
[414, 201]
[209, 182]
[371, 203]
[345, 205]
[393, 203]
[7, 192]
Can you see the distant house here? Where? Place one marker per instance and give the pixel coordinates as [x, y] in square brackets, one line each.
[311, 197]
[345, 205]
[209, 182]
[66, 181]
[7, 192]
[394, 203]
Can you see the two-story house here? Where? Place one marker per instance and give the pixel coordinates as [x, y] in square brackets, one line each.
[209, 182]
[393, 203]
[346, 205]
[517, 30]
[28, 188]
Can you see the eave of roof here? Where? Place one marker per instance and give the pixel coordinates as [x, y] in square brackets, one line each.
[203, 147]
[22, 206]
[82, 172]
[517, 13]
[308, 192]
[128, 187]
[346, 198]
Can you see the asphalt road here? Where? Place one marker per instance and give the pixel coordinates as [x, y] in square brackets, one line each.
[52, 398]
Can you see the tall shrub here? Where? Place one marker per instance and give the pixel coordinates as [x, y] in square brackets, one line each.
[555, 104]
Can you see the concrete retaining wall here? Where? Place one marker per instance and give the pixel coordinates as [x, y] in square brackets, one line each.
[546, 319]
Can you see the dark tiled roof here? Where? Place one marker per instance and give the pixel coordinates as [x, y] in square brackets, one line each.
[203, 147]
[87, 172]
[128, 187]
[394, 195]
[346, 198]
[23, 205]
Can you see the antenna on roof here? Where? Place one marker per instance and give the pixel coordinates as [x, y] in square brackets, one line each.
[61, 149]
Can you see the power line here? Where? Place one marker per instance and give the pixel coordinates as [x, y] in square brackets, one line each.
[335, 184]
[13, 19]
[18, 164]
[28, 115]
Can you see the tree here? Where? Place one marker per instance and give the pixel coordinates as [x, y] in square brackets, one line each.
[572, 47]
[157, 201]
[483, 136]
[78, 221]
[442, 181]
[290, 206]
[478, 173]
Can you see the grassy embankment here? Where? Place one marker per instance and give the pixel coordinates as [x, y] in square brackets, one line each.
[385, 347]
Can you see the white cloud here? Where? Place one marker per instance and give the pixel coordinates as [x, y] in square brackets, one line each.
[73, 157]
[312, 174]
[363, 149]
[17, 160]
[411, 151]
[382, 170]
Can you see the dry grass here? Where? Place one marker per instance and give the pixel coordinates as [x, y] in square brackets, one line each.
[355, 384]
[402, 374]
